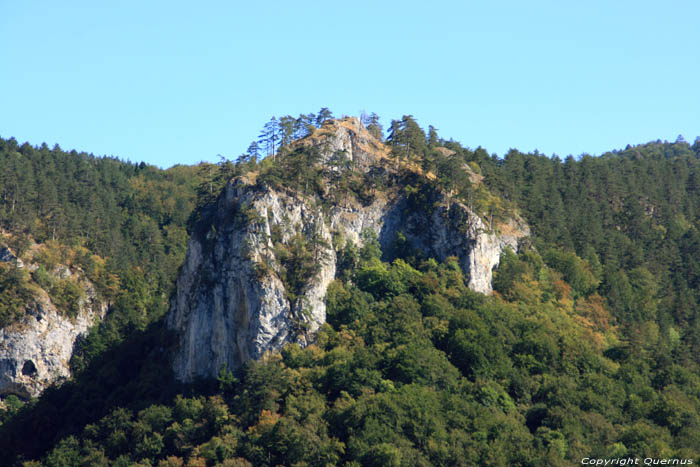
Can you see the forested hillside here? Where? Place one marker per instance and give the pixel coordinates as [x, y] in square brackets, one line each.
[122, 224]
[587, 348]
[632, 216]
[133, 214]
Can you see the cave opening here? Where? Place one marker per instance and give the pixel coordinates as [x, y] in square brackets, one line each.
[29, 369]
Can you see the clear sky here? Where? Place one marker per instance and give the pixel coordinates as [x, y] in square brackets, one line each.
[172, 82]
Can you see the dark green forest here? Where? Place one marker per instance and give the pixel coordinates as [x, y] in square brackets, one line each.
[123, 224]
[589, 346]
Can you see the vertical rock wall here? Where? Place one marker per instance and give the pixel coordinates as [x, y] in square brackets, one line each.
[231, 305]
[35, 352]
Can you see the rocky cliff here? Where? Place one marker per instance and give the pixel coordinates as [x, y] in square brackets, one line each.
[35, 351]
[232, 303]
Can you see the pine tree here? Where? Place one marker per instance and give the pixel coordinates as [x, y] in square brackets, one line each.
[304, 125]
[287, 127]
[395, 139]
[414, 144]
[270, 136]
[374, 127]
[253, 150]
[323, 115]
[433, 139]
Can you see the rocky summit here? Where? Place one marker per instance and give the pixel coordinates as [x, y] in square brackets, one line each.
[232, 303]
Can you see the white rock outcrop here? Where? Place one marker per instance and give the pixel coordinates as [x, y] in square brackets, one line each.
[231, 305]
[35, 352]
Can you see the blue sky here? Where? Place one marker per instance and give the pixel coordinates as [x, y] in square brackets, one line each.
[180, 82]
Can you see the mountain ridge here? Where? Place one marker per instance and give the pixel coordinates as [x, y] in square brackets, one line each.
[587, 347]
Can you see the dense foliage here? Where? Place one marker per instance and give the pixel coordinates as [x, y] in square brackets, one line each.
[122, 225]
[16, 293]
[588, 348]
[415, 369]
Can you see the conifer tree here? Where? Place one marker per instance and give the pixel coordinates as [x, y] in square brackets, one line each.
[304, 125]
[270, 136]
[254, 150]
[323, 115]
[395, 139]
[374, 127]
[433, 139]
[287, 127]
[414, 137]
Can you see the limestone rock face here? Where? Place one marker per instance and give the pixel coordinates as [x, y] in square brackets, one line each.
[231, 304]
[35, 352]
[348, 138]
